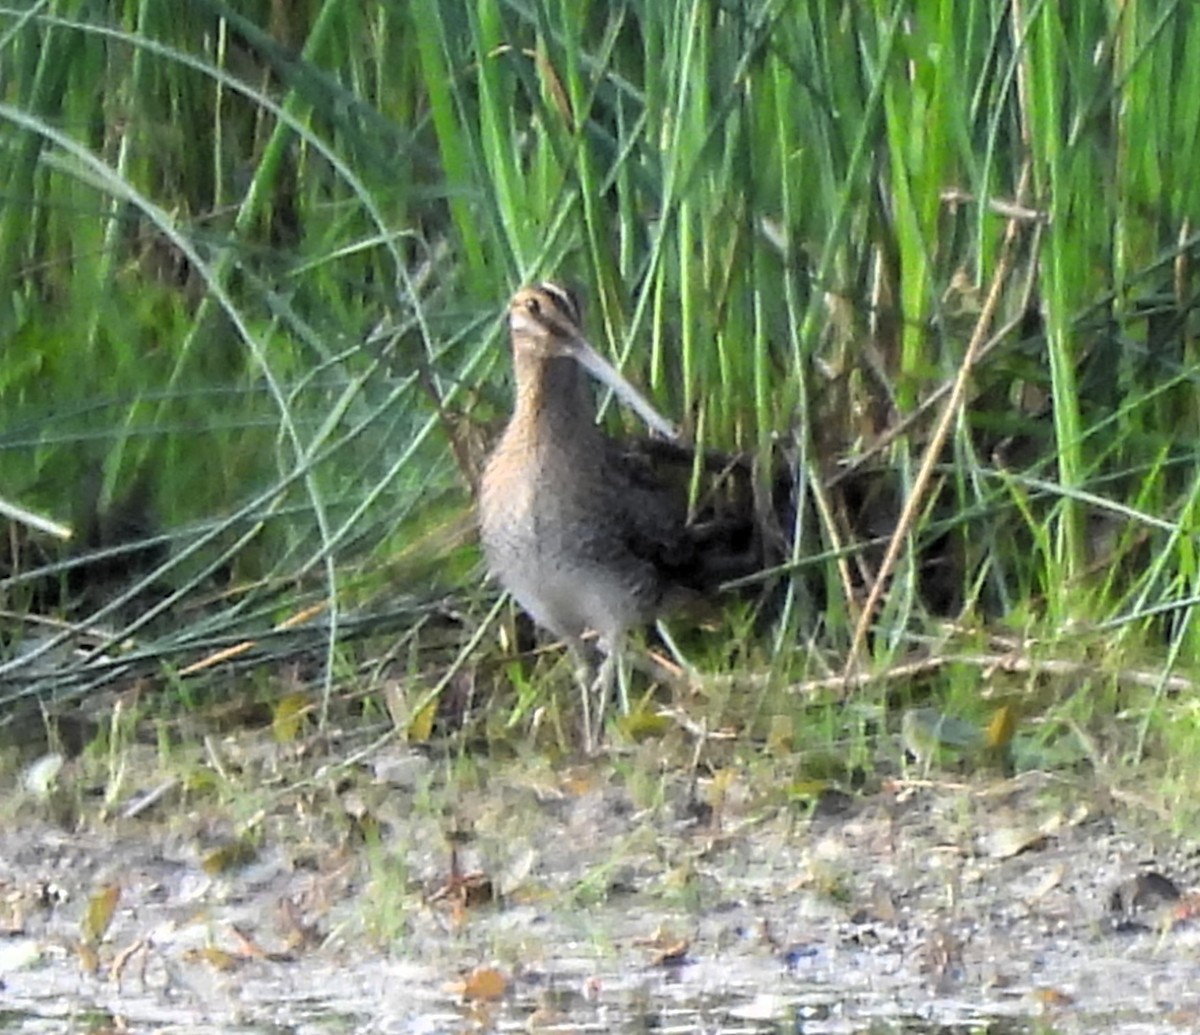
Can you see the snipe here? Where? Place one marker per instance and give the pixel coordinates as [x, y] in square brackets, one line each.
[583, 538]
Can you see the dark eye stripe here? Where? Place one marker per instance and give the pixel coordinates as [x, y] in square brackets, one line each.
[564, 300]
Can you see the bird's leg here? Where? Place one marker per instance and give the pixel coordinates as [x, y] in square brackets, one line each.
[601, 690]
[596, 684]
[586, 676]
[612, 671]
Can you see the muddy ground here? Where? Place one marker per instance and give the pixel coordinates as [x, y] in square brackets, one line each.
[412, 893]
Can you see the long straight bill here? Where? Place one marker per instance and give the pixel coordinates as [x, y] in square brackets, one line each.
[604, 372]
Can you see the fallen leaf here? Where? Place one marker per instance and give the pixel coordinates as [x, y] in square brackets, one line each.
[484, 984]
[1001, 728]
[1052, 997]
[117, 969]
[229, 856]
[807, 790]
[100, 909]
[216, 958]
[1007, 842]
[420, 729]
[671, 955]
[643, 724]
[669, 950]
[288, 716]
[780, 736]
[89, 959]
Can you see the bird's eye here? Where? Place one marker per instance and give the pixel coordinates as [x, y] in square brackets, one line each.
[534, 306]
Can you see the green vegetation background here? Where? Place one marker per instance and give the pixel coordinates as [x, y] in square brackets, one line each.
[253, 258]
